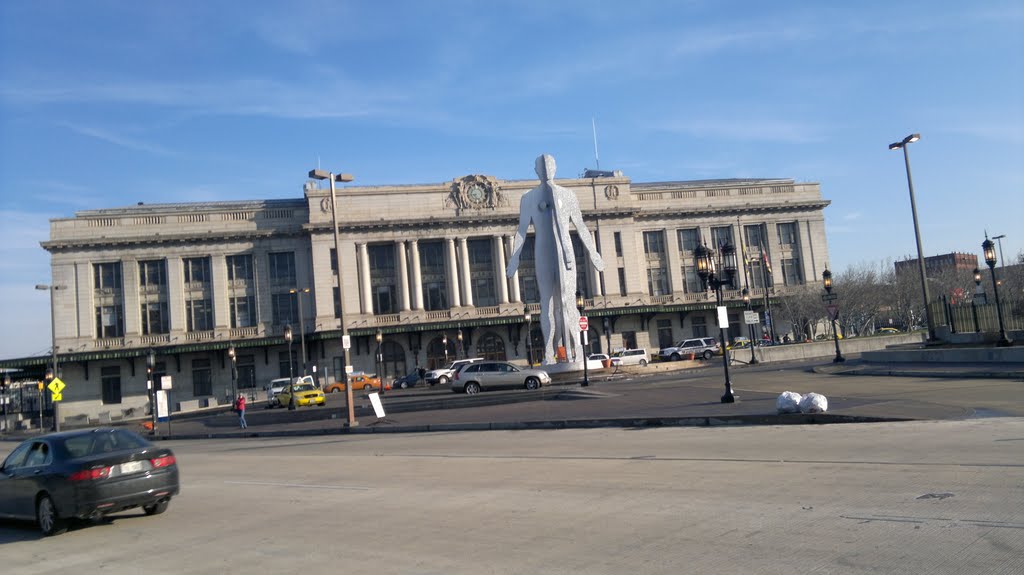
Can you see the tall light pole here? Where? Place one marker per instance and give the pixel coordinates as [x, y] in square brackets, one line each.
[288, 339]
[460, 346]
[833, 312]
[53, 350]
[580, 305]
[380, 361]
[710, 277]
[234, 371]
[917, 230]
[332, 177]
[302, 324]
[750, 327]
[990, 258]
[999, 240]
[529, 329]
[150, 366]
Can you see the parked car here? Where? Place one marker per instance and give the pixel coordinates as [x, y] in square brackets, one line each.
[605, 360]
[444, 374]
[474, 377]
[276, 386]
[631, 357]
[705, 347]
[83, 474]
[306, 394]
[408, 380]
[739, 342]
[364, 381]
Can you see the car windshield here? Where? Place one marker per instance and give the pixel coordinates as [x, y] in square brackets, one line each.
[304, 387]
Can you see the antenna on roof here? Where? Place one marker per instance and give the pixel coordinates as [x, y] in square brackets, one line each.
[597, 158]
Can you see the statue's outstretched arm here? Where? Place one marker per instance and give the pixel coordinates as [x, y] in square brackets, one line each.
[588, 241]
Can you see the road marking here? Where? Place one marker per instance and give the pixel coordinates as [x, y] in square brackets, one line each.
[303, 485]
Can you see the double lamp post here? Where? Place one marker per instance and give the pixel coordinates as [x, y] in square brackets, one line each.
[711, 277]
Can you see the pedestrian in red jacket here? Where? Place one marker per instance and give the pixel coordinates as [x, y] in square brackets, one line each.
[240, 410]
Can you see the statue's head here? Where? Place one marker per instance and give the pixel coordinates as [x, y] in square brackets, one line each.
[545, 167]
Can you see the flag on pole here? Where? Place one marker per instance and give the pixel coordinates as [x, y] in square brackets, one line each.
[764, 258]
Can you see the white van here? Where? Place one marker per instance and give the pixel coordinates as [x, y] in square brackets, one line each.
[631, 357]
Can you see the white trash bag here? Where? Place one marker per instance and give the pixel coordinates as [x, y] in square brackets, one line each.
[788, 402]
[814, 403]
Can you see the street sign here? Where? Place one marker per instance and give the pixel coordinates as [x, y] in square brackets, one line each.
[833, 311]
[56, 386]
[751, 318]
[346, 341]
[57, 397]
[584, 323]
[723, 317]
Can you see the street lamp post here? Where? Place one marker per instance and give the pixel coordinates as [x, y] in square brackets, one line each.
[53, 351]
[379, 361]
[580, 305]
[711, 278]
[332, 177]
[917, 230]
[444, 343]
[459, 346]
[150, 366]
[234, 372]
[826, 279]
[989, 248]
[529, 332]
[999, 240]
[750, 327]
[974, 300]
[302, 324]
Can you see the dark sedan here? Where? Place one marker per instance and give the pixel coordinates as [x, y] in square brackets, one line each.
[85, 474]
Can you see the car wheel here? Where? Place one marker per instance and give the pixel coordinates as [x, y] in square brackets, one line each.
[472, 388]
[443, 380]
[156, 508]
[675, 357]
[334, 390]
[643, 363]
[367, 387]
[708, 354]
[46, 515]
[404, 385]
[532, 383]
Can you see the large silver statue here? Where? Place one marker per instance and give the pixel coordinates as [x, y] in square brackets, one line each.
[551, 208]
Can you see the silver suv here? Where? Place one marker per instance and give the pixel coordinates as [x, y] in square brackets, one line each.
[631, 357]
[443, 375]
[705, 347]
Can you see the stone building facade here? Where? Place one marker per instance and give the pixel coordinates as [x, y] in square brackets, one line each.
[422, 265]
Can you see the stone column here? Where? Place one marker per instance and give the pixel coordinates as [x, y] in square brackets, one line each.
[130, 297]
[514, 280]
[498, 243]
[403, 274]
[364, 279]
[219, 288]
[467, 282]
[453, 275]
[417, 276]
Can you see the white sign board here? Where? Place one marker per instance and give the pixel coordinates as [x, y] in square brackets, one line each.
[751, 317]
[378, 407]
[348, 369]
[161, 404]
[165, 382]
[723, 317]
[346, 341]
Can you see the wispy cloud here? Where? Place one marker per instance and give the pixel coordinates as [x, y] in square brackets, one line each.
[752, 129]
[117, 139]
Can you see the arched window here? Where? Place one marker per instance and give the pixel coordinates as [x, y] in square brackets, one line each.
[393, 366]
[594, 345]
[437, 355]
[491, 347]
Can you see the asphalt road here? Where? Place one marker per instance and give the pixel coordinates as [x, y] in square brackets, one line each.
[926, 497]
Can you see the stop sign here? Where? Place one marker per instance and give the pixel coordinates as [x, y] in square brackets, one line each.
[584, 323]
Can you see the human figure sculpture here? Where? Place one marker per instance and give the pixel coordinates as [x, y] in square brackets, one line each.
[551, 209]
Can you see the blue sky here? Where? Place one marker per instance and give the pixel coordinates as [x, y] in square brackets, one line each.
[110, 103]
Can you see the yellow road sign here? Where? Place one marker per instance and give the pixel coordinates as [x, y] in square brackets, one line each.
[57, 397]
[56, 386]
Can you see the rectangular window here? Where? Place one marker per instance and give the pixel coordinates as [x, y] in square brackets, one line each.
[654, 244]
[755, 236]
[618, 244]
[622, 281]
[657, 282]
[240, 267]
[791, 273]
[246, 371]
[202, 378]
[282, 268]
[153, 274]
[110, 380]
[109, 321]
[282, 362]
[382, 258]
[155, 318]
[284, 308]
[760, 276]
[197, 270]
[788, 234]
[665, 338]
[336, 292]
[629, 340]
[334, 261]
[721, 236]
[700, 326]
[689, 239]
[199, 315]
[528, 287]
[483, 291]
[691, 281]
[243, 311]
[384, 299]
[107, 276]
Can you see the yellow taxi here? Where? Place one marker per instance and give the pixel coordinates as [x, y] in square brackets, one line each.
[364, 381]
[306, 394]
